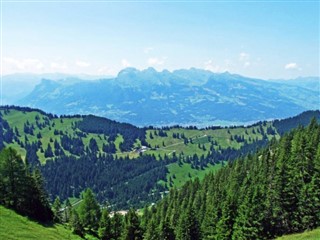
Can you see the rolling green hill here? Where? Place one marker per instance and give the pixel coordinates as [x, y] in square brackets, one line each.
[35, 126]
[74, 152]
[31, 125]
[14, 226]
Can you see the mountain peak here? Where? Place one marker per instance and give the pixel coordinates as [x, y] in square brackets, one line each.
[128, 71]
[150, 70]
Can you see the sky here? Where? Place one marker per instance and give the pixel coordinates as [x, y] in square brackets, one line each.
[262, 39]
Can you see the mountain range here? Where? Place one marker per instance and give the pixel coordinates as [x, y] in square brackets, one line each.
[185, 97]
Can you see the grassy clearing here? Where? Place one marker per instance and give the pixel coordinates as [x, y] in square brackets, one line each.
[14, 226]
[181, 174]
[308, 235]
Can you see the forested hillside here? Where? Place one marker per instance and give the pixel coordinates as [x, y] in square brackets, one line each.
[261, 196]
[272, 193]
[123, 164]
[258, 196]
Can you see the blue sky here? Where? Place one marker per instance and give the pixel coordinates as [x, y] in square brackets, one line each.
[264, 39]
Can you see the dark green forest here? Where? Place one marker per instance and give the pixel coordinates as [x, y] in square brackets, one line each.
[22, 189]
[108, 178]
[261, 196]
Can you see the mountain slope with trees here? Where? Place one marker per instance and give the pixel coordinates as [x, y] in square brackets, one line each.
[123, 164]
[261, 196]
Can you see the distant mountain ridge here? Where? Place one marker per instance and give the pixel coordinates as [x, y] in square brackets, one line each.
[185, 97]
[18, 85]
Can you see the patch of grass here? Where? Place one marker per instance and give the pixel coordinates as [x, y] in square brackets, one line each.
[181, 174]
[14, 226]
[308, 235]
[222, 138]
[117, 142]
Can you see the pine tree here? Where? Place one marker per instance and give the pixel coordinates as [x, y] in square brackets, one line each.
[104, 230]
[225, 223]
[166, 231]
[77, 227]
[248, 222]
[38, 197]
[116, 226]
[48, 152]
[132, 229]
[67, 211]
[89, 210]
[145, 217]
[188, 228]
[56, 207]
[12, 178]
[151, 232]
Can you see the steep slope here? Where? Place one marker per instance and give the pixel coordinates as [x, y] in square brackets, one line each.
[14, 226]
[183, 97]
[261, 196]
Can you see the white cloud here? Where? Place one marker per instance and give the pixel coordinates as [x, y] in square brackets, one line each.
[148, 50]
[243, 56]
[291, 66]
[55, 66]
[107, 71]
[211, 66]
[125, 63]
[82, 63]
[22, 65]
[156, 61]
